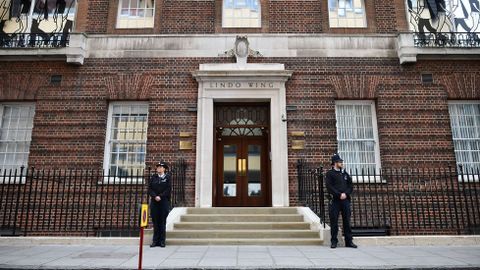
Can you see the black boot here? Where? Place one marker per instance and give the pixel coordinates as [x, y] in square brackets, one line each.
[351, 245]
[333, 245]
[162, 244]
[153, 245]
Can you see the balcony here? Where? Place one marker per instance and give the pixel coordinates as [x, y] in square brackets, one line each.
[30, 46]
[446, 40]
[440, 45]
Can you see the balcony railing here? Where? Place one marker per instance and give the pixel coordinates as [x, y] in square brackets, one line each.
[34, 40]
[447, 40]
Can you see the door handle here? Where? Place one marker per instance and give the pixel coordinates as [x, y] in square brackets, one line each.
[239, 167]
[244, 166]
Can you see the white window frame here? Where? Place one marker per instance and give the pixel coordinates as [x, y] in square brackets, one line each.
[466, 178]
[372, 178]
[18, 179]
[364, 6]
[252, 27]
[106, 156]
[119, 15]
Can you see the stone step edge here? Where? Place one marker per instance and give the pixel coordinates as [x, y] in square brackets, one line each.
[242, 215]
[243, 222]
[245, 240]
[244, 231]
[253, 208]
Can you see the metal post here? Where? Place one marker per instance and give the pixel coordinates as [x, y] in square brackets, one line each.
[18, 200]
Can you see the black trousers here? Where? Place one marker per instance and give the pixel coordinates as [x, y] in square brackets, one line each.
[159, 212]
[334, 209]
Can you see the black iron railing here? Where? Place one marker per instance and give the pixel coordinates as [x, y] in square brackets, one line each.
[447, 39]
[401, 201]
[77, 202]
[34, 40]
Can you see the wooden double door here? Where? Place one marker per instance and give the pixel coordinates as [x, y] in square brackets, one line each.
[242, 159]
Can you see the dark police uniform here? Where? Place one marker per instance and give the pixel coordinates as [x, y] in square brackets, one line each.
[159, 186]
[338, 182]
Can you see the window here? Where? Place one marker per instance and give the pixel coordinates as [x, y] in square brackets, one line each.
[15, 135]
[347, 13]
[136, 14]
[465, 123]
[241, 13]
[357, 136]
[443, 16]
[126, 142]
[45, 17]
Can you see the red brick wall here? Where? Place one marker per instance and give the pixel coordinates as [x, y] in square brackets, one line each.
[71, 118]
[288, 16]
[97, 16]
[385, 16]
[188, 17]
[279, 16]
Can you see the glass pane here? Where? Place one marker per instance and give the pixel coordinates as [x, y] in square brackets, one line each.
[52, 16]
[465, 119]
[230, 170]
[241, 13]
[15, 134]
[347, 13]
[355, 133]
[254, 174]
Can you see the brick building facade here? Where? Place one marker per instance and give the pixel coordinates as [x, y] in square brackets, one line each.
[381, 65]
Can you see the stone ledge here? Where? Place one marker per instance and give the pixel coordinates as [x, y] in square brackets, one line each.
[269, 45]
[213, 45]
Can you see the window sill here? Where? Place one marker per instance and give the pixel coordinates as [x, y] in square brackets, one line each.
[133, 28]
[13, 180]
[377, 179]
[122, 181]
[348, 27]
[466, 179]
[241, 27]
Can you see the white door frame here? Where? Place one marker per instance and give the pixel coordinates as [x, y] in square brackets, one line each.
[252, 82]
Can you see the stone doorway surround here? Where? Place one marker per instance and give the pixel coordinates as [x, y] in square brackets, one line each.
[241, 82]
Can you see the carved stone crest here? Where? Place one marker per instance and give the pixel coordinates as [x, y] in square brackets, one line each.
[241, 50]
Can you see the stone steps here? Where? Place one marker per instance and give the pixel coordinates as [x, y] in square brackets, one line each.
[242, 218]
[244, 210]
[244, 241]
[241, 234]
[242, 226]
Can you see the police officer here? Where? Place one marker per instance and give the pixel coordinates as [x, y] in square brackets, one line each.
[159, 189]
[340, 187]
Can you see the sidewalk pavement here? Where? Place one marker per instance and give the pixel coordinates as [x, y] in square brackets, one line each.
[240, 257]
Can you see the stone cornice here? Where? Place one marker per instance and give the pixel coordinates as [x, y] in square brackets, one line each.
[83, 46]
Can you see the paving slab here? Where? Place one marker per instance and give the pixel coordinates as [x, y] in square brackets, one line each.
[239, 257]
